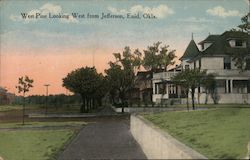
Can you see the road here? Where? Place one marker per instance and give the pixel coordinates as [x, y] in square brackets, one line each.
[105, 138]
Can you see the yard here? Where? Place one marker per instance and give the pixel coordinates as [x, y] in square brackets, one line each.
[216, 133]
[34, 143]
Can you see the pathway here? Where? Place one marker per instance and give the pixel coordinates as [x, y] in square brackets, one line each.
[107, 138]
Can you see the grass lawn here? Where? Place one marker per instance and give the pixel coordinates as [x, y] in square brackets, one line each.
[36, 144]
[216, 133]
[41, 108]
[40, 124]
[10, 107]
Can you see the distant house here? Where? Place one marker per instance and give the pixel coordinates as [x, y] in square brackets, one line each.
[143, 82]
[5, 97]
[215, 56]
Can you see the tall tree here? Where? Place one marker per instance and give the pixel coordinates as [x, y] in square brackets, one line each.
[242, 57]
[121, 73]
[190, 79]
[210, 87]
[245, 26]
[24, 85]
[157, 58]
[86, 82]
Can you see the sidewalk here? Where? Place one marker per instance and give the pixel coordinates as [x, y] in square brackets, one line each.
[109, 138]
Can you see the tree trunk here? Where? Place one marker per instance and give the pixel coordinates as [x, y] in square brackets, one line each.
[23, 106]
[87, 108]
[192, 92]
[122, 97]
[187, 100]
[82, 109]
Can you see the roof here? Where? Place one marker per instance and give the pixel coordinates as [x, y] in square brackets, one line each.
[191, 51]
[221, 45]
[144, 75]
[3, 90]
[210, 38]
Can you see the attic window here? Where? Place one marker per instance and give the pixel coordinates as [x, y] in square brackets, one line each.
[238, 43]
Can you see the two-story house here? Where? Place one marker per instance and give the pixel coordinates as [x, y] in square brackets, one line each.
[214, 56]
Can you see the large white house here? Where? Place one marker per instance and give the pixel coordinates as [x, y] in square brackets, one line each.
[215, 56]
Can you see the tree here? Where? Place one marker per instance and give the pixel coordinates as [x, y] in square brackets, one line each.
[86, 82]
[210, 87]
[245, 26]
[121, 73]
[190, 79]
[182, 80]
[241, 57]
[158, 58]
[24, 85]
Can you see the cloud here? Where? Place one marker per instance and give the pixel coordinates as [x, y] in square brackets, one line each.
[221, 12]
[195, 20]
[15, 18]
[50, 8]
[160, 11]
[45, 10]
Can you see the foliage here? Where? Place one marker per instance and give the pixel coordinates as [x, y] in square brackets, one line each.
[121, 73]
[210, 87]
[86, 82]
[158, 58]
[240, 59]
[245, 26]
[216, 133]
[24, 85]
[190, 79]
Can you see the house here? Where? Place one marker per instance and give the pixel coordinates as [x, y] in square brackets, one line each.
[215, 56]
[143, 82]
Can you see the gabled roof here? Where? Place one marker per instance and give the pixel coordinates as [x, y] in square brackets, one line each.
[221, 44]
[210, 38]
[191, 51]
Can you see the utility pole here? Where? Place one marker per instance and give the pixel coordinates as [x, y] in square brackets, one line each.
[46, 103]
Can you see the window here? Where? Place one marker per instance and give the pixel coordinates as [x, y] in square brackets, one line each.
[186, 66]
[227, 62]
[238, 43]
[194, 64]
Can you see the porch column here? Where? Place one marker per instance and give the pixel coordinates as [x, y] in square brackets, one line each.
[226, 86]
[157, 88]
[231, 85]
[167, 94]
[153, 87]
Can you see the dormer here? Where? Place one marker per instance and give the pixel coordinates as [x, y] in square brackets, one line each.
[208, 42]
[205, 45]
[237, 43]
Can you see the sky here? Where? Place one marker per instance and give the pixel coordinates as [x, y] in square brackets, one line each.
[47, 47]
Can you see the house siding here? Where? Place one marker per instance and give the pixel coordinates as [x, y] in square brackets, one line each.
[233, 84]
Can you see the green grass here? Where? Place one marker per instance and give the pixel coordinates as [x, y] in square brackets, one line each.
[10, 107]
[32, 144]
[39, 144]
[216, 133]
[40, 124]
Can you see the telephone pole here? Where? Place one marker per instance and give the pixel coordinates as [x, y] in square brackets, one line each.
[46, 103]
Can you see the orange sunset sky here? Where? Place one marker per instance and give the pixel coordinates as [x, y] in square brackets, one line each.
[46, 49]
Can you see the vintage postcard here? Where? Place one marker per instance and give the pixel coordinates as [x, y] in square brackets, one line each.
[121, 79]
